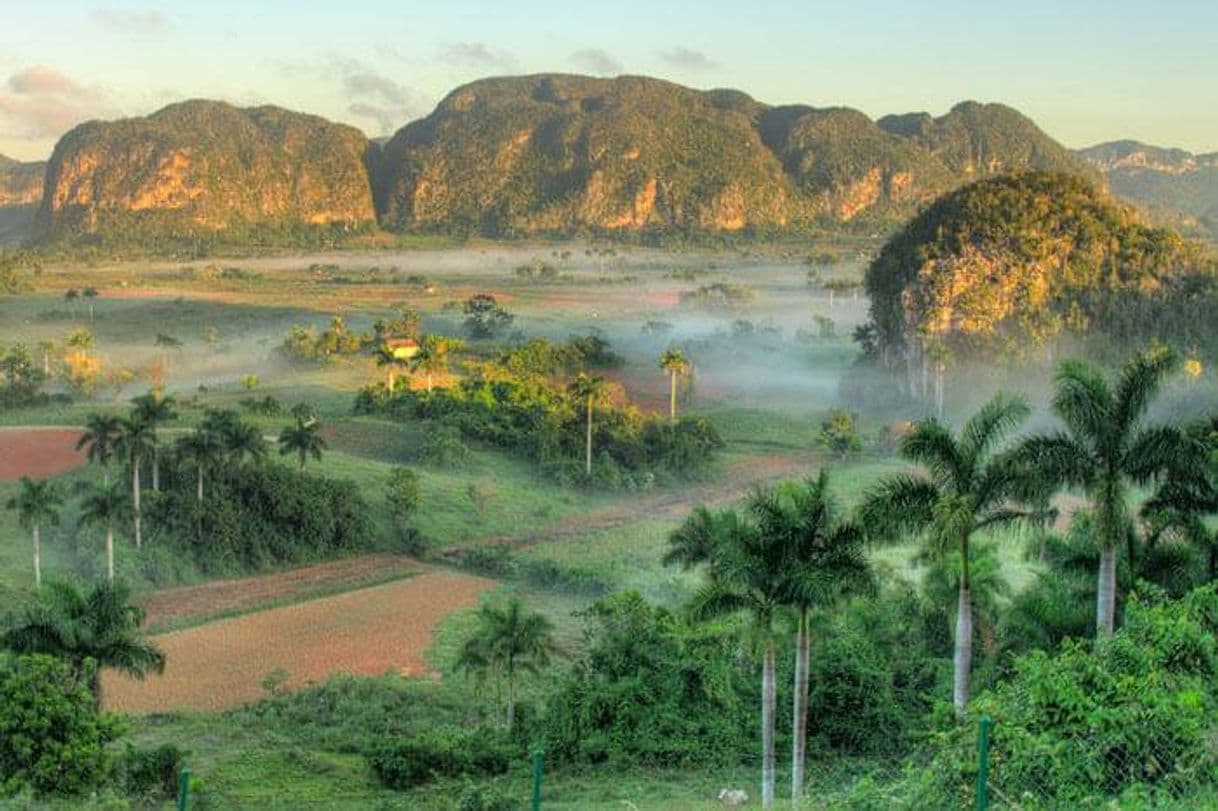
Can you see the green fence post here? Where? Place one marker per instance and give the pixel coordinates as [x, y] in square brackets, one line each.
[183, 789]
[539, 757]
[983, 764]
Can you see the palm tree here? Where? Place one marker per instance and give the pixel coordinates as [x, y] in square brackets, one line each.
[46, 349]
[432, 357]
[134, 443]
[966, 487]
[154, 409]
[100, 437]
[587, 389]
[1188, 495]
[90, 630]
[37, 504]
[104, 507]
[238, 439]
[90, 293]
[825, 563]
[673, 362]
[304, 439]
[1105, 449]
[508, 640]
[746, 570]
[203, 450]
[71, 297]
[388, 358]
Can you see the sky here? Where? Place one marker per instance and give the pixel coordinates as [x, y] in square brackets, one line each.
[1085, 71]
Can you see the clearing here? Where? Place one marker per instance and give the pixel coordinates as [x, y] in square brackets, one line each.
[38, 452]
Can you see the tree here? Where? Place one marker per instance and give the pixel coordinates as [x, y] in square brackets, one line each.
[154, 409]
[674, 363]
[100, 440]
[304, 439]
[587, 389]
[52, 738]
[71, 296]
[81, 338]
[37, 505]
[1105, 449]
[90, 630]
[91, 294]
[388, 358]
[104, 507]
[134, 443]
[203, 450]
[484, 317]
[966, 486]
[432, 357]
[239, 440]
[825, 562]
[507, 641]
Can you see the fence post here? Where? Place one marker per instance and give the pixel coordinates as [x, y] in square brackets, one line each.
[539, 757]
[183, 789]
[983, 763]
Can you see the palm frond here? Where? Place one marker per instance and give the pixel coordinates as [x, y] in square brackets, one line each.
[932, 445]
[1084, 401]
[1140, 381]
[898, 505]
[993, 422]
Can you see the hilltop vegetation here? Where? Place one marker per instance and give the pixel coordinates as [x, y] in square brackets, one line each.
[503, 157]
[20, 183]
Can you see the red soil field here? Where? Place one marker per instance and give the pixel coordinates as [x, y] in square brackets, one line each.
[38, 452]
[366, 632]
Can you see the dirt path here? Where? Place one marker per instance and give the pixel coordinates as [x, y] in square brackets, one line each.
[365, 632]
[227, 597]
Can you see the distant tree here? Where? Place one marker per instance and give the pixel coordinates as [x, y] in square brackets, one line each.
[71, 296]
[839, 433]
[304, 439]
[100, 441]
[675, 364]
[432, 357]
[508, 641]
[203, 450]
[304, 411]
[135, 443]
[389, 359]
[37, 505]
[104, 507]
[403, 494]
[587, 389]
[154, 409]
[91, 294]
[484, 318]
[90, 630]
[81, 338]
[46, 349]
[239, 440]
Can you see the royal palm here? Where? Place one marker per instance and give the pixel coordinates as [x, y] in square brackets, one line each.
[37, 505]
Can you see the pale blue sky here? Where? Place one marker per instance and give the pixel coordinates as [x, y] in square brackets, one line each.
[1086, 71]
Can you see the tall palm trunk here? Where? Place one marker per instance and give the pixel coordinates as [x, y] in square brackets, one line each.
[429, 381]
[304, 458]
[588, 454]
[1105, 592]
[389, 383]
[672, 397]
[110, 553]
[37, 557]
[135, 499]
[156, 468]
[767, 727]
[799, 719]
[511, 695]
[963, 658]
[199, 486]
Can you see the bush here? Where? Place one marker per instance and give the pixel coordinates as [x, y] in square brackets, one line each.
[150, 772]
[446, 751]
[52, 738]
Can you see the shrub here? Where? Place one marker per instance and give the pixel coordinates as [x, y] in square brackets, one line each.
[150, 772]
[52, 738]
[445, 751]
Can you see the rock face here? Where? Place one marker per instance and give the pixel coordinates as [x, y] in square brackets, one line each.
[204, 166]
[20, 183]
[559, 153]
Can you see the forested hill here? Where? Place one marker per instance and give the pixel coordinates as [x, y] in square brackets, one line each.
[20, 183]
[531, 154]
[1011, 263]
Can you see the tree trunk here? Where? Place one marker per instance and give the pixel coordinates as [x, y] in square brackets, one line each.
[199, 486]
[37, 557]
[1105, 593]
[110, 554]
[672, 398]
[799, 721]
[964, 647]
[588, 455]
[135, 498]
[390, 382]
[511, 693]
[767, 727]
[95, 687]
[156, 468]
[429, 381]
[939, 370]
[303, 459]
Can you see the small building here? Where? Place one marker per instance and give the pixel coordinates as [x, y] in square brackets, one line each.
[402, 348]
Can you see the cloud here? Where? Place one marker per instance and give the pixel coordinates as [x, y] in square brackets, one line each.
[476, 55]
[375, 86]
[378, 98]
[129, 20]
[40, 102]
[596, 61]
[688, 59]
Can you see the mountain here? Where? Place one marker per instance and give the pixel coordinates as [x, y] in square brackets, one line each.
[206, 166]
[1012, 261]
[20, 183]
[1176, 186]
[561, 153]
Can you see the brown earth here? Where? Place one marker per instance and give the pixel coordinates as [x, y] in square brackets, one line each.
[366, 632]
[38, 452]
